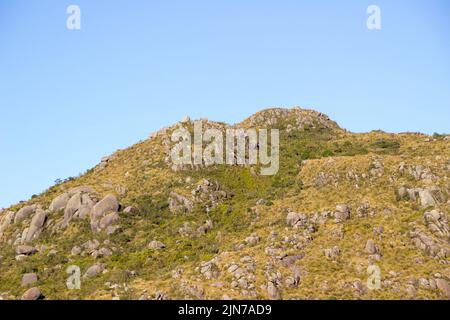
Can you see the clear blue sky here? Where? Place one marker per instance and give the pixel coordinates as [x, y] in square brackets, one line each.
[69, 97]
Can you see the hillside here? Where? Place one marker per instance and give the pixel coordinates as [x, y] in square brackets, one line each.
[139, 227]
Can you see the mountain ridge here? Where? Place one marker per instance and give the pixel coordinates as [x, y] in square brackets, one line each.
[341, 202]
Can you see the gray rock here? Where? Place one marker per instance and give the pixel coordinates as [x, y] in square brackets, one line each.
[24, 213]
[73, 205]
[91, 245]
[75, 251]
[112, 229]
[333, 253]
[21, 257]
[156, 245]
[36, 225]
[107, 205]
[426, 198]
[130, 210]
[444, 287]
[59, 202]
[252, 240]
[411, 291]
[342, 213]
[437, 222]
[179, 203]
[289, 260]
[371, 248]
[26, 250]
[104, 252]
[429, 245]
[6, 220]
[32, 294]
[81, 189]
[108, 220]
[296, 220]
[205, 228]
[209, 270]
[29, 278]
[273, 291]
[94, 270]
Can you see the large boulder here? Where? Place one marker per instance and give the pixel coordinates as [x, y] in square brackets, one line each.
[107, 205]
[86, 206]
[79, 206]
[36, 225]
[24, 213]
[73, 205]
[59, 202]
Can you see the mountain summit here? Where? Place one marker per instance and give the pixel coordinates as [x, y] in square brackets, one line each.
[346, 216]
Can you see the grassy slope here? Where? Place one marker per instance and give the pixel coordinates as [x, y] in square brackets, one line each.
[148, 182]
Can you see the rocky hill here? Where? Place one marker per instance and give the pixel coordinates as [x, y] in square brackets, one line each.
[342, 208]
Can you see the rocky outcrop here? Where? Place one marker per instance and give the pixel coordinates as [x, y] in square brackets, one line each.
[437, 222]
[179, 203]
[36, 225]
[430, 245]
[104, 214]
[296, 220]
[5, 221]
[79, 206]
[428, 197]
[208, 193]
[24, 213]
[435, 240]
[59, 202]
[209, 270]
